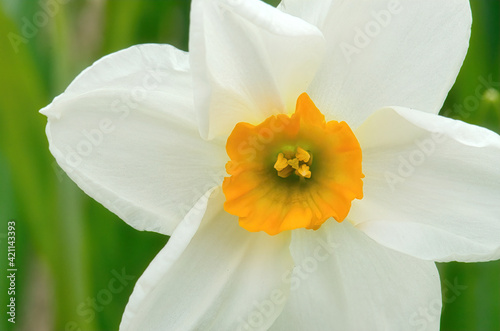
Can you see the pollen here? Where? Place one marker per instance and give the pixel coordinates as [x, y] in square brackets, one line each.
[302, 155]
[281, 162]
[305, 172]
[298, 162]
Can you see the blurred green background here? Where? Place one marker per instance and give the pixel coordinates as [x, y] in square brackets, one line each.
[68, 247]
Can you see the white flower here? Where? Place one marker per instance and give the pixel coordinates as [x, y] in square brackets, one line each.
[129, 131]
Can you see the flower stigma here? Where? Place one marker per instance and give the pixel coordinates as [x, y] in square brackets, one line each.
[292, 172]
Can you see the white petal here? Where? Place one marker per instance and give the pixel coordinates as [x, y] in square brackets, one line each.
[249, 60]
[385, 53]
[221, 278]
[125, 132]
[432, 186]
[345, 281]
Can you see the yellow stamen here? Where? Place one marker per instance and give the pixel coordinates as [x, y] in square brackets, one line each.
[310, 160]
[281, 163]
[302, 155]
[303, 171]
[294, 163]
[287, 162]
[285, 172]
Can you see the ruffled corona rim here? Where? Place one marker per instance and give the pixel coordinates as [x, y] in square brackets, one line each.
[292, 172]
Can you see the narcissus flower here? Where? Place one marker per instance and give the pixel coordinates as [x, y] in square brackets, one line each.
[296, 158]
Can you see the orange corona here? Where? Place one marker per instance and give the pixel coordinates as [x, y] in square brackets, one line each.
[296, 174]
